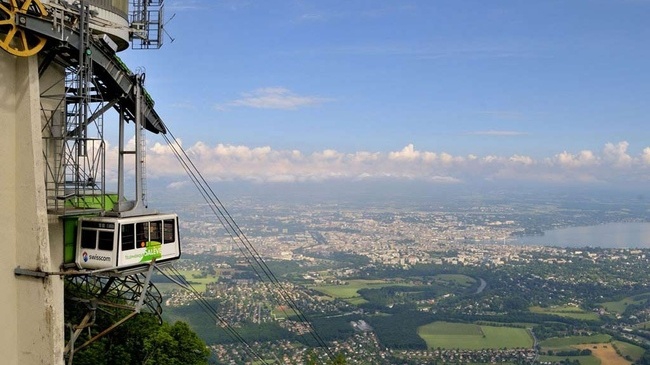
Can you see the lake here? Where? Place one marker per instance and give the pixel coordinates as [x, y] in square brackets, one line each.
[609, 235]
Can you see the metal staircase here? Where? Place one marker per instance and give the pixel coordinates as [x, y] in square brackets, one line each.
[96, 81]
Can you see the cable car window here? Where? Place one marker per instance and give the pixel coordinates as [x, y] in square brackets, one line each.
[128, 237]
[105, 240]
[88, 238]
[170, 230]
[155, 229]
[141, 233]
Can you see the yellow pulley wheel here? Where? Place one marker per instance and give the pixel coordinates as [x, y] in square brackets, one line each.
[13, 39]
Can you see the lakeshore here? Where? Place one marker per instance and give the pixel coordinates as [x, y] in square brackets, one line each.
[608, 235]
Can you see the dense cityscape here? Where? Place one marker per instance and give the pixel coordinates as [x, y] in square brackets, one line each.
[373, 281]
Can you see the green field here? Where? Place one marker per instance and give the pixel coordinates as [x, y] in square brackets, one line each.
[575, 340]
[569, 344]
[567, 311]
[356, 301]
[584, 360]
[620, 305]
[627, 349]
[282, 312]
[167, 288]
[192, 276]
[473, 337]
[349, 291]
[462, 280]
[199, 283]
[642, 325]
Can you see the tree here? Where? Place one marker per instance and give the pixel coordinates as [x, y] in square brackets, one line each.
[141, 340]
[312, 359]
[339, 360]
[175, 345]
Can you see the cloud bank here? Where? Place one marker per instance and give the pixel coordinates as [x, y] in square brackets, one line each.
[611, 165]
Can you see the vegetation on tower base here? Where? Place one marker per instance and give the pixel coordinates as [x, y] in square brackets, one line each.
[140, 340]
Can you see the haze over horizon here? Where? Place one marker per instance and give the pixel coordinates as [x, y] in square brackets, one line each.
[439, 92]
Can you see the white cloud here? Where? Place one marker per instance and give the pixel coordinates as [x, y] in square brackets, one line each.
[178, 184]
[406, 154]
[328, 155]
[366, 157]
[448, 159]
[617, 154]
[273, 98]
[568, 160]
[444, 180]
[645, 156]
[264, 164]
[524, 160]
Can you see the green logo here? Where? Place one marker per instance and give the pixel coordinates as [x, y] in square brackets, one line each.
[154, 251]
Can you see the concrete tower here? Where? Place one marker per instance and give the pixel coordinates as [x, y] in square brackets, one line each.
[44, 43]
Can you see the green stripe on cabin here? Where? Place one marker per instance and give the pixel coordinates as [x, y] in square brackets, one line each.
[105, 202]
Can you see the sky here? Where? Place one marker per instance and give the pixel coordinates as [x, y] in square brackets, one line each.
[439, 91]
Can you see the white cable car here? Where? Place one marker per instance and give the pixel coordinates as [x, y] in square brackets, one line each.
[113, 242]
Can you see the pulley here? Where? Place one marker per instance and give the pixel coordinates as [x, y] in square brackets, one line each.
[13, 39]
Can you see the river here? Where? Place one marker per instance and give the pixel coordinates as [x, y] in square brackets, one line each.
[609, 235]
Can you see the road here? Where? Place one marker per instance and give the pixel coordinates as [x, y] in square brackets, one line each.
[481, 287]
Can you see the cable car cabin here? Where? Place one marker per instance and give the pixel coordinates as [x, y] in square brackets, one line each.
[112, 242]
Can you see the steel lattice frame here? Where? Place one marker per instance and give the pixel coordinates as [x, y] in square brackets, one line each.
[73, 132]
[114, 291]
